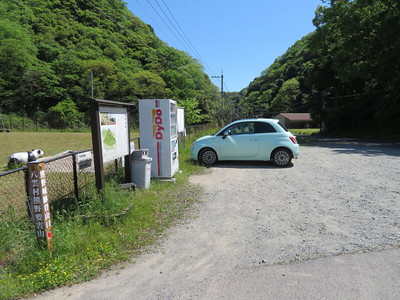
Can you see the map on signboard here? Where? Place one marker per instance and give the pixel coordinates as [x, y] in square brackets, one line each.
[109, 141]
[114, 132]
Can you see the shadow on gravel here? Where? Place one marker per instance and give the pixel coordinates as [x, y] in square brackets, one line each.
[355, 146]
[248, 165]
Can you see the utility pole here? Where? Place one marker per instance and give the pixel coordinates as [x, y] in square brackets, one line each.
[222, 82]
[91, 79]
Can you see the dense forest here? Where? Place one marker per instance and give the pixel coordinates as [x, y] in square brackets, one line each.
[51, 51]
[346, 73]
[55, 53]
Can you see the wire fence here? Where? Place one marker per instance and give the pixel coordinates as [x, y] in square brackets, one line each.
[13, 191]
[9, 123]
[194, 130]
[66, 179]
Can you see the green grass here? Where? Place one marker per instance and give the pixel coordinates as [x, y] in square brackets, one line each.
[88, 237]
[305, 131]
[50, 142]
[368, 135]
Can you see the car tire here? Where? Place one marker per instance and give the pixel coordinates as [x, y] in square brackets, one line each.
[281, 157]
[208, 157]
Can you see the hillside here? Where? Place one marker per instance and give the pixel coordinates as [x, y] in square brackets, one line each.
[286, 85]
[347, 72]
[51, 49]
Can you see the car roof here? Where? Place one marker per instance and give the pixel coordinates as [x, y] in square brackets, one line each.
[249, 120]
[256, 119]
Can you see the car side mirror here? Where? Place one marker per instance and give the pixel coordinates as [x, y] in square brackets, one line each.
[226, 133]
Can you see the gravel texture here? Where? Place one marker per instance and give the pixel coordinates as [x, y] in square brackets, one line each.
[339, 197]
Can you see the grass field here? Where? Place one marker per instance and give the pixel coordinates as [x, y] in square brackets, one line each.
[50, 142]
[305, 131]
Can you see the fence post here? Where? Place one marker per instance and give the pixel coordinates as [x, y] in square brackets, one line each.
[75, 171]
[28, 204]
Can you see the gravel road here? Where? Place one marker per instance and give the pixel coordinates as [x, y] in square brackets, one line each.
[340, 197]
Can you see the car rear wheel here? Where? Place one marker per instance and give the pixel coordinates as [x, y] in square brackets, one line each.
[208, 157]
[281, 157]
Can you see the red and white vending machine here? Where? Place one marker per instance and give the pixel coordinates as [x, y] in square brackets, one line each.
[159, 134]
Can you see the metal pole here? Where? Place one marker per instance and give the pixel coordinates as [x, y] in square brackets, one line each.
[222, 83]
[75, 175]
[91, 77]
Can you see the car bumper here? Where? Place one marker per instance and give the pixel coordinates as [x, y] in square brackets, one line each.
[193, 153]
[296, 152]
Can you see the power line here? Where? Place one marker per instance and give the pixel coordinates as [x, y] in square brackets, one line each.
[162, 19]
[178, 32]
[182, 39]
[141, 42]
[226, 88]
[173, 30]
[152, 19]
[184, 35]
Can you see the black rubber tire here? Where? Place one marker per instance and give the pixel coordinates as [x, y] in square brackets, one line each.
[281, 157]
[208, 157]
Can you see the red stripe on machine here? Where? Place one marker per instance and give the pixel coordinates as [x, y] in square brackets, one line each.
[159, 158]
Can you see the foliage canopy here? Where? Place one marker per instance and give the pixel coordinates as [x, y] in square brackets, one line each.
[347, 72]
[51, 49]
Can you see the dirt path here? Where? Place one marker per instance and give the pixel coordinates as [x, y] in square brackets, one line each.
[340, 197]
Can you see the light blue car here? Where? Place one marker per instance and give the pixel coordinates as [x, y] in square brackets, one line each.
[250, 139]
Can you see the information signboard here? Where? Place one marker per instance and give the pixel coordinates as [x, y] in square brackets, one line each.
[110, 136]
[181, 120]
[84, 160]
[114, 132]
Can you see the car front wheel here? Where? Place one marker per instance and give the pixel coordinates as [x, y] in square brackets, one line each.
[281, 157]
[208, 157]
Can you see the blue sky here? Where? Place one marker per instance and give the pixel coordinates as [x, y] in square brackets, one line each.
[242, 38]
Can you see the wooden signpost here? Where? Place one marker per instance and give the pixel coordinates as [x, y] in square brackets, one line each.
[38, 204]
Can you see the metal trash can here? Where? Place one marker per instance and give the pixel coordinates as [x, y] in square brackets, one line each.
[141, 168]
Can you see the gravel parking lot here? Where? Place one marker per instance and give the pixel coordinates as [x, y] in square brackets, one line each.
[340, 197]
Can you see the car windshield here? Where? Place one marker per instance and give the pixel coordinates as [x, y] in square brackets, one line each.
[220, 131]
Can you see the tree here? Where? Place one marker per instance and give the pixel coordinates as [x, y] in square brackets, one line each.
[286, 96]
[38, 90]
[192, 112]
[63, 115]
[48, 50]
[17, 54]
[149, 85]
[360, 62]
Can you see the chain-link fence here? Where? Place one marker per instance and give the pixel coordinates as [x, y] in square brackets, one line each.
[13, 191]
[193, 130]
[66, 178]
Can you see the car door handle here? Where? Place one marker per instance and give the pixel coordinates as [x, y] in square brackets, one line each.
[253, 141]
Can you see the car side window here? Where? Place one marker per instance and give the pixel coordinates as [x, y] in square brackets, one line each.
[241, 128]
[262, 127]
